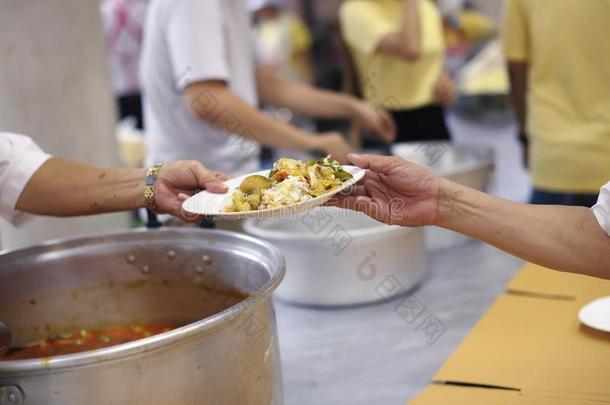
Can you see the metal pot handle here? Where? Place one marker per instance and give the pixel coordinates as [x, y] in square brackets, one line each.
[11, 395]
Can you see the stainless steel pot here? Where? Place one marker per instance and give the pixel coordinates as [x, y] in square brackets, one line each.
[226, 354]
[338, 257]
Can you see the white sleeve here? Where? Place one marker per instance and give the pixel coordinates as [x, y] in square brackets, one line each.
[20, 158]
[602, 209]
[196, 41]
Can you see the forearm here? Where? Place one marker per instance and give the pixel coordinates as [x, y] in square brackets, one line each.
[405, 43]
[561, 238]
[518, 93]
[65, 188]
[410, 25]
[252, 123]
[304, 99]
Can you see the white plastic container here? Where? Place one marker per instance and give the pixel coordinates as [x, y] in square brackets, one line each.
[338, 257]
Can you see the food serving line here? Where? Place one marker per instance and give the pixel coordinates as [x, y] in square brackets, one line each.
[216, 288]
[366, 313]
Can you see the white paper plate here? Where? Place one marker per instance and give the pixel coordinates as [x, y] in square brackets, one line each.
[596, 314]
[210, 204]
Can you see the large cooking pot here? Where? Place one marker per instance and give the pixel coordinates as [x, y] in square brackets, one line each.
[226, 354]
[339, 257]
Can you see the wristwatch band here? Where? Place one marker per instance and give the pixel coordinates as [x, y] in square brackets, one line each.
[149, 187]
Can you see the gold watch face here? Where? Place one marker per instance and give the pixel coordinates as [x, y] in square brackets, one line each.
[153, 171]
[149, 193]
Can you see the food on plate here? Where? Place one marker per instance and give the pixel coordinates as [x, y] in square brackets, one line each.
[290, 182]
[255, 183]
[83, 340]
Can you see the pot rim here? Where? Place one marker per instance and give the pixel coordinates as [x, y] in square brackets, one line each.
[252, 227]
[482, 162]
[156, 342]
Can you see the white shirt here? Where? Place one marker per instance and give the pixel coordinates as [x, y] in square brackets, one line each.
[20, 157]
[602, 209]
[189, 41]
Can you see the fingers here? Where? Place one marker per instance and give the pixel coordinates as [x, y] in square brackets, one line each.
[389, 126]
[445, 89]
[354, 191]
[364, 204]
[343, 202]
[209, 179]
[214, 187]
[376, 163]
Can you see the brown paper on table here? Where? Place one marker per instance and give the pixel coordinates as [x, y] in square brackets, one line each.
[437, 394]
[530, 348]
[539, 281]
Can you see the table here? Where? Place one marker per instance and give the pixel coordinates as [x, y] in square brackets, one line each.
[371, 354]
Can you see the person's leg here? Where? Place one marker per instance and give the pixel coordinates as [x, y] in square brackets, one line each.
[131, 106]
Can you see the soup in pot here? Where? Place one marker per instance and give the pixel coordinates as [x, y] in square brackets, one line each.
[84, 340]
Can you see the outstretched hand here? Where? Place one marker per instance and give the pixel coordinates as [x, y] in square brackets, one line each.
[393, 191]
[378, 121]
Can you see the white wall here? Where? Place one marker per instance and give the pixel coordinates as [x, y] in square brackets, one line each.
[54, 86]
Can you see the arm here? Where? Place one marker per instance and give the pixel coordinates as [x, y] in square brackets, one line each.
[516, 44]
[302, 98]
[444, 90]
[61, 187]
[310, 101]
[303, 60]
[405, 43]
[517, 72]
[254, 124]
[563, 238]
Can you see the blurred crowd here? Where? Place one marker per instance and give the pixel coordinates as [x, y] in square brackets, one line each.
[236, 84]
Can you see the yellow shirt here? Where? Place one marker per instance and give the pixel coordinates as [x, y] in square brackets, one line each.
[389, 81]
[300, 36]
[281, 42]
[473, 26]
[567, 46]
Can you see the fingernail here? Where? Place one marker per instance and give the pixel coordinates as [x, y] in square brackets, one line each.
[353, 155]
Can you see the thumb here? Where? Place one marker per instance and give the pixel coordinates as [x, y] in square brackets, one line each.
[208, 178]
[375, 163]
[215, 187]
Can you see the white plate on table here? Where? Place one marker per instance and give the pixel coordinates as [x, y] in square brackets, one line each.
[596, 314]
[211, 204]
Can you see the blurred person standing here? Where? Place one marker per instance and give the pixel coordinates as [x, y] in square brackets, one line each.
[123, 25]
[465, 27]
[283, 40]
[398, 49]
[559, 65]
[283, 44]
[202, 89]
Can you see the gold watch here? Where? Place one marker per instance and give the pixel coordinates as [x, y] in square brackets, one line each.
[149, 188]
